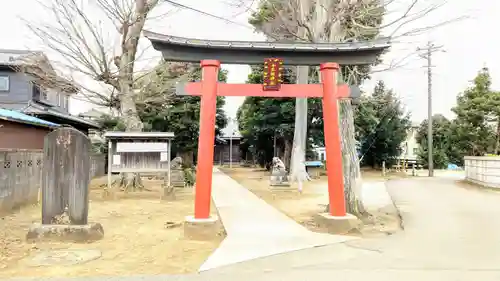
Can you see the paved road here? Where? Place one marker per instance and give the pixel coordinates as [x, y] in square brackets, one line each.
[451, 233]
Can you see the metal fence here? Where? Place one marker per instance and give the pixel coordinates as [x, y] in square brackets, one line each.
[21, 174]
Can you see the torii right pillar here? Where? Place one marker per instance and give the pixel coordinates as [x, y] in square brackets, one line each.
[337, 220]
[332, 139]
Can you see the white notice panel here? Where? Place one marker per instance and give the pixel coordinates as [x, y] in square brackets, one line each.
[163, 157]
[116, 159]
[141, 147]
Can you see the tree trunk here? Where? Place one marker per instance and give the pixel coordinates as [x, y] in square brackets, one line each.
[300, 130]
[497, 145]
[129, 181]
[350, 161]
[288, 154]
[130, 35]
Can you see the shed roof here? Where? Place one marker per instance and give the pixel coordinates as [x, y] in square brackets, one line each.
[15, 116]
[138, 135]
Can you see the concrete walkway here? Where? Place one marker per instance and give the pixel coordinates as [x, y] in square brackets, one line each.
[254, 228]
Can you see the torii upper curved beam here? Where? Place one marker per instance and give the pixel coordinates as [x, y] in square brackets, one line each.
[183, 49]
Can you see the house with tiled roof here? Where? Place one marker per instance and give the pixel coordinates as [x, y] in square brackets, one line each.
[22, 91]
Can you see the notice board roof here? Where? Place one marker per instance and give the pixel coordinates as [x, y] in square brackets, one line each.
[138, 135]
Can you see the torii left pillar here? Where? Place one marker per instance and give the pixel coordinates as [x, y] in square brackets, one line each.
[202, 226]
[209, 89]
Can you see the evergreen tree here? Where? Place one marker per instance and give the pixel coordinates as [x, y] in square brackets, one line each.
[443, 151]
[382, 126]
[477, 115]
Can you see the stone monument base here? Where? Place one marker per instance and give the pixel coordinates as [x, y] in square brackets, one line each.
[201, 229]
[277, 181]
[337, 225]
[70, 233]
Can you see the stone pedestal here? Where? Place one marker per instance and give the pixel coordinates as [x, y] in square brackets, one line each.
[70, 233]
[337, 225]
[279, 179]
[177, 178]
[201, 229]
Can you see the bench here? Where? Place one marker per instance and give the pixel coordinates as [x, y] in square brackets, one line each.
[315, 166]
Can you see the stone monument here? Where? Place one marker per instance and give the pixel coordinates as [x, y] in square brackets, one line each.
[65, 189]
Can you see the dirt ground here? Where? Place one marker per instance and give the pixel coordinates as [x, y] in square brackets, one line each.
[303, 206]
[136, 239]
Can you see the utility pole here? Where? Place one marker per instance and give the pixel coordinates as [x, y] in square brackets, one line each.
[231, 149]
[426, 54]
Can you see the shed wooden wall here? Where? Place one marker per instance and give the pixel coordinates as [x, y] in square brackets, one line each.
[21, 136]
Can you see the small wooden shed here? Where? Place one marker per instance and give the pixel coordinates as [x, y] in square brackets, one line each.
[139, 152]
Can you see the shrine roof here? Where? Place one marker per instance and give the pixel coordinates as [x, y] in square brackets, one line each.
[19, 117]
[138, 135]
[176, 48]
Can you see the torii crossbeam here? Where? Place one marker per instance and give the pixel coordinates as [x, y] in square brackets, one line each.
[238, 52]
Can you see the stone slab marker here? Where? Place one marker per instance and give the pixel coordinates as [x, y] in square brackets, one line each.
[65, 188]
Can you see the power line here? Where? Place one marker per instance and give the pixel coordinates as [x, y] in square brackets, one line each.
[427, 53]
[182, 6]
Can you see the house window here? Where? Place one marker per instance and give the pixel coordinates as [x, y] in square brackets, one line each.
[4, 83]
[66, 102]
[58, 99]
[61, 100]
[38, 94]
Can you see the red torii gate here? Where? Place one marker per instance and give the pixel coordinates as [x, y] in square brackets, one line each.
[209, 88]
[182, 49]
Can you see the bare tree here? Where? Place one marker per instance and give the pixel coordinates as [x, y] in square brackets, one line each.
[97, 42]
[343, 21]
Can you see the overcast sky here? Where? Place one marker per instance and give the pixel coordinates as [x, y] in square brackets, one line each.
[469, 46]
